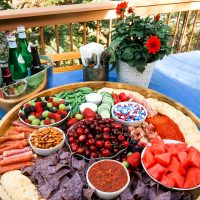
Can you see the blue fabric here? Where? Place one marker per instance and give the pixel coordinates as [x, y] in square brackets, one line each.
[177, 76]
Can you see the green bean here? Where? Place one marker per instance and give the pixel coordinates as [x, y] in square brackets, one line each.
[79, 99]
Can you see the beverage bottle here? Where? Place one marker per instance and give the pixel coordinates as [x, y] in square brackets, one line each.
[16, 62]
[6, 75]
[24, 48]
[36, 65]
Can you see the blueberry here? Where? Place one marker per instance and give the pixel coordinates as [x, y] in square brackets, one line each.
[32, 108]
[38, 99]
[27, 111]
[63, 127]
[47, 98]
[68, 109]
[41, 118]
[44, 104]
[66, 103]
[54, 109]
[24, 117]
[63, 116]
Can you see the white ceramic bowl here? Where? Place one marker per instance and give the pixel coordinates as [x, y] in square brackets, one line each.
[46, 152]
[108, 195]
[128, 123]
[40, 126]
[92, 106]
[94, 98]
[166, 141]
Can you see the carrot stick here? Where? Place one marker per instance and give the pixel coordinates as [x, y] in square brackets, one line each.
[12, 132]
[14, 146]
[18, 155]
[23, 129]
[18, 123]
[24, 142]
[1, 157]
[4, 145]
[17, 160]
[16, 151]
[12, 137]
[14, 166]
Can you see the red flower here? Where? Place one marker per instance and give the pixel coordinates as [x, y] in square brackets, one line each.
[130, 10]
[121, 8]
[157, 17]
[153, 44]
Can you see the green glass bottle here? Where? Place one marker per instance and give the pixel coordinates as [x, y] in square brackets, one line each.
[24, 48]
[16, 62]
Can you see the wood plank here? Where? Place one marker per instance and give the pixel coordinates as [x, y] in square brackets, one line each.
[84, 33]
[71, 36]
[65, 56]
[57, 39]
[67, 68]
[42, 40]
[97, 31]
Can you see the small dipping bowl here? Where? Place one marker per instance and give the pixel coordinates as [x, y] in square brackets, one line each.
[94, 98]
[103, 169]
[46, 131]
[92, 106]
[129, 113]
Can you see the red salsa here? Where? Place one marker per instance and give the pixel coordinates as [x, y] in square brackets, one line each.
[108, 176]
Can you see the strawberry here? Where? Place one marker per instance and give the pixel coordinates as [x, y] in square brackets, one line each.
[123, 96]
[47, 121]
[55, 104]
[134, 159]
[87, 113]
[71, 121]
[38, 104]
[50, 99]
[51, 115]
[57, 117]
[62, 101]
[27, 121]
[38, 114]
[27, 105]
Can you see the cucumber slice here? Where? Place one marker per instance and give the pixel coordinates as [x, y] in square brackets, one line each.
[105, 114]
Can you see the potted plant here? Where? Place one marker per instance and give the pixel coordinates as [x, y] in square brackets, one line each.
[136, 43]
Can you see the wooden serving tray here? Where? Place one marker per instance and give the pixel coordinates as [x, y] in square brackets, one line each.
[12, 115]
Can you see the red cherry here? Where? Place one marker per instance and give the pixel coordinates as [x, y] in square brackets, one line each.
[91, 142]
[82, 138]
[107, 145]
[106, 136]
[87, 153]
[71, 139]
[106, 130]
[74, 147]
[118, 126]
[125, 143]
[87, 131]
[90, 136]
[80, 131]
[105, 152]
[120, 137]
[93, 155]
[93, 148]
[99, 144]
[70, 134]
[80, 150]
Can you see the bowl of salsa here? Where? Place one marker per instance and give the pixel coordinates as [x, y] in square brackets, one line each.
[109, 178]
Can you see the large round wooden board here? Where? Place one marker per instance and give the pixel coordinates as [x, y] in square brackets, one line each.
[12, 115]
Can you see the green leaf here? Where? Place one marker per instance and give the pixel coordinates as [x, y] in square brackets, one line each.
[116, 42]
[140, 65]
[127, 54]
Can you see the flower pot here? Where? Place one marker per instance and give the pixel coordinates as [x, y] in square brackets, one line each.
[127, 74]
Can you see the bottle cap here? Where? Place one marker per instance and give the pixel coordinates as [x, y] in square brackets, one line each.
[20, 29]
[3, 63]
[11, 38]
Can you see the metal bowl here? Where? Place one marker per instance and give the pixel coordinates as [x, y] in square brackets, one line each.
[40, 126]
[33, 85]
[166, 141]
[79, 155]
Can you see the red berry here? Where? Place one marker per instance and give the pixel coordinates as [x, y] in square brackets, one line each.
[107, 145]
[87, 131]
[125, 143]
[62, 101]
[82, 138]
[106, 136]
[99, 144]
[120, 137]
[80, 131]
[47, 121]
[90, 136]
[27, 121]
[71, 139]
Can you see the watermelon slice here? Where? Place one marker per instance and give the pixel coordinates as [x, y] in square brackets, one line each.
[172, 148]
[194, 159]
[191, 179]
[148, 159]
[163, 159]
[158, 149]
[183, 158]
[182, 147]
[191, 150]
[157, 171]
[168, 181]
[179, 180]
[175, 166]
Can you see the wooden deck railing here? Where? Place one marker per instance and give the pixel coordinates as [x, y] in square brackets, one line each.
[182, 15]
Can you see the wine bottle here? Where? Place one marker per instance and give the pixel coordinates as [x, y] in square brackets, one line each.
[36, 65]
[24, 48]
[16, 62]
[6, 75]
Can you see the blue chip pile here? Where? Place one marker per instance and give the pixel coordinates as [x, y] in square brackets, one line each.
[129, 112]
